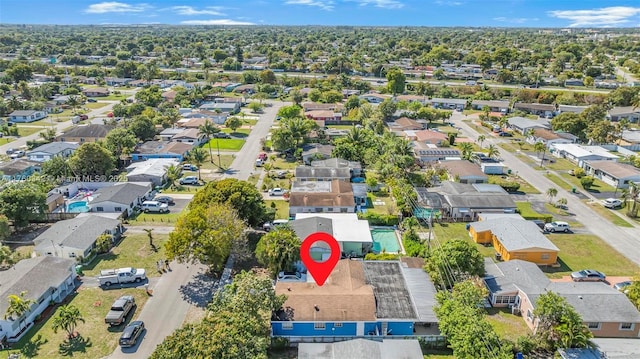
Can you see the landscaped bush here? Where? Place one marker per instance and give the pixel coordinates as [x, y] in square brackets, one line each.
[525, 210]
[413, 246]
[509, 186]
[579, 172]
[377, 219]
[381, 257]
[586, 182]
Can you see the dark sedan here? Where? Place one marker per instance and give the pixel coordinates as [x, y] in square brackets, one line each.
[164, 199]
[131, 334]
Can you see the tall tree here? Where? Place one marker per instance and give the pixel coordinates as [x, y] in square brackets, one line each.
[67, 317]
[551, 193]
[481, 139]
[540, 147]
[289, 112]
[233, 123]
[492, 151]
[454, 261]
[143, 128]
[208, 129]
[5, 228]
[91, 160]
[22, 202]
[173, 173]
[558, 323]
[387, 108]
[56, 169]
[197, 156]
[120, 141]
[279, 249]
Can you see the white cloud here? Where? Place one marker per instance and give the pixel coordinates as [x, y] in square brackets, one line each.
[448, 3]
[606, 16]
[324, 5]
[385, 4]
[190, 10]
[114, 6]
[215, 22]
[515, 20]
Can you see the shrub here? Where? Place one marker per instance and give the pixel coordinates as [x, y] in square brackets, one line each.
[586, 182]
[381, 257]
[376, 219]
[509, 186]
[579, 172]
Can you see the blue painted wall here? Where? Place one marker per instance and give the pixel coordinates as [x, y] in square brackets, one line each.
[347, 329]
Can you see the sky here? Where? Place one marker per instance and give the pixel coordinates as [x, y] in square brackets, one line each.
[494, 13]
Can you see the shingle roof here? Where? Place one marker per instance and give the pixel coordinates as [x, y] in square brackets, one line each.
[336, 163]
[85, 131]
[23, 112]
[491, 103]
[522, 122]
[322, 172]
[463, 168]
[425, 135]
[516, 234]
[35, 276]
[153, 167]
[54, 147]
[615, 169]
[17, 166]
[535, 106]
[624, 110]
[514, 275]
[80, 232]
[341, 195]
[545, 134]
[313, 148]
[456, 101]
[159, 147]
[459, 195]
[124, 193]
[362, 349]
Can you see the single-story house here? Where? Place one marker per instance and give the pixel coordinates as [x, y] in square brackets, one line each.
[117, 81]
[314, 173]
[374, 97]
[493, 168]
[449, 103]
[426, 153]
[464, 171]
[463, 201]
[44, 280]
[160, 149]
[351, 233]
[632, 114]
[578, 154]
[413, 98]
[316, 151]
[494, 105]
[152, 170]
[248, 89]
[190, 136]
[60, 100]
[169, 96]
[571, 109]
[72, 238]
[574, 82]
[322, 116]
[631, 137]
[334, 196]
[540, 109]
[19, 170]
[355, 167]
[229, 107]
[547, 137]
[362, 349]
[378, 299]
[522, 124]
[430, 137]
[616, 174]
[518, 284]
[85, 133]
[122, 197]
[27, 115]
[96, 92]
[168, 133]
[50, 150]
[317, 106]
[514, 238]
[406, 124]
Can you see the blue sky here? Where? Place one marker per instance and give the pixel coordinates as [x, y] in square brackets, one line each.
[500, 13]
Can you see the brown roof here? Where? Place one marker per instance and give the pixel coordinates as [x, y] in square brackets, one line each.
[618, 170]
[535, 106]
[194, 122]
[412, 262]
[344, 297]
[411, 98]
[169, 95]
[407, 122]
[462, 168]
[427, 135]
[545, 134]
[96, 90]
[341, 195]
[189, 133]
[320, 113]
[163, 147]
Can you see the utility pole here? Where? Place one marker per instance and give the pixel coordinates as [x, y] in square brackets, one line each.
[219, 162]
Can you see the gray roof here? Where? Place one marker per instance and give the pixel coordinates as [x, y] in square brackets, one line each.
[624, 110]
[491, 103]
[389, 287]
[522, 122]
[515, 234]
[456, 101]
[619, 348]
[313, 148]
[514, 275]
[362, 349]
[124, 193]
[428, 199]
[35, 276]
[322, 172]
[91, 130]
[18, 166]
[23, 112]
[304, 227]
[459, 195]
[570, 108]
[336, 163]
[54, 147]
[79, 232]
[422, 291]
[535, 106]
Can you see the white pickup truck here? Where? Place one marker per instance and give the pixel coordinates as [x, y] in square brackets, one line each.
[122, 275]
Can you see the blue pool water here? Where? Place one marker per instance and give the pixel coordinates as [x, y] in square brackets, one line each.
[78, 207]
[385, 239]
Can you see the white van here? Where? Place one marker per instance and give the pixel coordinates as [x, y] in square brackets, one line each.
[259, 163]
[155, 206]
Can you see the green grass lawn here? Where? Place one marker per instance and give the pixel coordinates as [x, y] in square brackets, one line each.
[95, 105]
[5, 140]
[598, 185]
[96, 340]
[525, 210]
[114, 97]
[132, 251]
[559, 182]
[555, 210]
[385, 203]
[586, 251]
[608, 214]
[28, 131]
[561, 164]
[282, 164]
[224, 161]
[281, 206]
[341, 127]
[452, 231]
[507, 325]
[253, 179]
[225, 144]
[240, 132]
[248, 122]
[157, 219]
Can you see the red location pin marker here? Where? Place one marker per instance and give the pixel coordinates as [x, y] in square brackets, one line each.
[320, 270]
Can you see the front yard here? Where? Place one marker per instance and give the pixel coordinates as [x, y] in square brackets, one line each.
[609, 214]
[281, 207]
[96, 339]
[382, 203]
[224, 144]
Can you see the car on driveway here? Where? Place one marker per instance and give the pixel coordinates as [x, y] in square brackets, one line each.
[276, 191]
[612, 203]
[131, 333]
[281, 174]
[189, 180]
[557, 226]
[164, 199]
[291, 277]
[623, 286]
[588, 275]
[505, 134]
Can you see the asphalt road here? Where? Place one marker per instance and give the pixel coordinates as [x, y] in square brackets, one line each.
[624, 240]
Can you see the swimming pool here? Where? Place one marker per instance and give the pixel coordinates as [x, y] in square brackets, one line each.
[385, 240]
[78, 207]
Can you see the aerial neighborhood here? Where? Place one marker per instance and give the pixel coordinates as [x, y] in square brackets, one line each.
[484, 202]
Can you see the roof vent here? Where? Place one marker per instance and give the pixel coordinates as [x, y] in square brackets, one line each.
[579, 297]
[315, 306]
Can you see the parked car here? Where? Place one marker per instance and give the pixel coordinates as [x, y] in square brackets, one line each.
[131, 334]
[612, 203]
[108, 277]
[259, 162]
[271, 225]
[276, 191]
[540, 223]
[119, 310]
[292, 277]
[10, 151]
[189, 180]
[92, 100]
[505, 134]
[571, 173]
[588, 275]
[221, 135]
[164, 199]
[84, 117]
[262, 156]
[189, 167]
[281, 174]
[557, 226]
[17, 154]
[155, 206]
[623, 286]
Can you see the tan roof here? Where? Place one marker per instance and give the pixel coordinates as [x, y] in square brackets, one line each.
[545, 134]
[411, 98]
[426, 135]
[407, 122]
[618, 170]
[463, 168]
[344, 297]
[311, 106]
[341, 195]
[320, 113]
[412, 262]
[189, 133]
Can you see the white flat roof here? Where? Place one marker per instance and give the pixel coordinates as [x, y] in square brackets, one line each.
[346, 226]
[583, 151]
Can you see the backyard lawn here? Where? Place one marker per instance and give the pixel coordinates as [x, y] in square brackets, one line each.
[281, 207]
[586, 251]
[379, 202]
[448, 231]
[96, 339]
[133, 251]
[283, 164]
[224, 144]
[507, 325]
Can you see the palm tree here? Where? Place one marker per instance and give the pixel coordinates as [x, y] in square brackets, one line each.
[73, 102]
[529, 133]
[540, 147]
[18, 306]
[492, 151]
[48, 135]
[631, 194]
[562, 202]
[198, 156]
[173, 173]
[67, 318]
[481, 139]
[467, 150]
[552, 192]
[208, 129]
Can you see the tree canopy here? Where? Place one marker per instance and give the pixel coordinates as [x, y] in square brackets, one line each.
[91, 160]
[22, 202]
[559, 325]
[453, 261]
[279, 249]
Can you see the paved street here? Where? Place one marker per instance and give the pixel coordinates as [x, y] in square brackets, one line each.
[624, 240]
